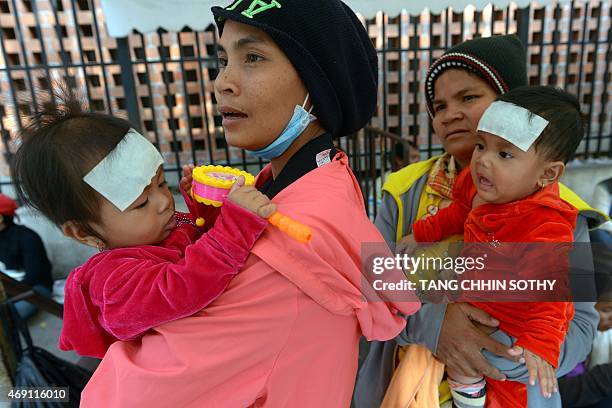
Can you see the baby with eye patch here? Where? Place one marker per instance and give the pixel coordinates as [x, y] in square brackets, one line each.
[510, 194]
[103, 184]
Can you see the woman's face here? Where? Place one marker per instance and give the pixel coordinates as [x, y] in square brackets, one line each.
[257, 88]
[460, 100]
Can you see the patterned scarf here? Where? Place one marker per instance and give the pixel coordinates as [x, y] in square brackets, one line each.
[442, 176]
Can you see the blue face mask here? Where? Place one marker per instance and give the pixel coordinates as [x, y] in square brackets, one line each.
[298, 123]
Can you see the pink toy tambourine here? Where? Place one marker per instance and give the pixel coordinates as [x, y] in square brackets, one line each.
[211, 184]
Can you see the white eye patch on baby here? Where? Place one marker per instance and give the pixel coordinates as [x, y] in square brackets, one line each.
[126, 171]
[513, 123]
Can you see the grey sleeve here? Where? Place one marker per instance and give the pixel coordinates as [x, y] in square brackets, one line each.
[579, 337]
[574, 350]
[583, 327]
[386, 219]
[424, 326]
[518, 372]
[374, 375]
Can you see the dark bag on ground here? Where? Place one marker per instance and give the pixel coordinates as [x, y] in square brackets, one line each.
[39, 368]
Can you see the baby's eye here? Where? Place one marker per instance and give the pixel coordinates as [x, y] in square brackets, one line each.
[469, 97]
[505, 155]
[479, 146]
[163, 184]
[144, 204]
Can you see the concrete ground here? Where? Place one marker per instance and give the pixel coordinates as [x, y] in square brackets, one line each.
[45, 329]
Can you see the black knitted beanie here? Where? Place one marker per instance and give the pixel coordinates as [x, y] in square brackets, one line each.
[500, 60]
[329, 48]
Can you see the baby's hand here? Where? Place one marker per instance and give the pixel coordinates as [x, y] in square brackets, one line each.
[543, 371]
[187, 178]
[407, 245]
[248, 197]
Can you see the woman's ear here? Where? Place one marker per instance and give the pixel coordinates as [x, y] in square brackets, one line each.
[76, 231]
[551, 173]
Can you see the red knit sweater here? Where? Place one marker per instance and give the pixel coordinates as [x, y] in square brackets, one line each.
[539, 327]
[121, 293]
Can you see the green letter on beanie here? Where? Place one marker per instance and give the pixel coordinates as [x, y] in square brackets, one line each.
[256, 7]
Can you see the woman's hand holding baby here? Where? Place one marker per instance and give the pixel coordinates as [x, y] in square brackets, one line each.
[407, 245]
[248, 197]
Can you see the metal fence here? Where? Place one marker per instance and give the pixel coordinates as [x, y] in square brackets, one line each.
[568, 45]
[162, 82]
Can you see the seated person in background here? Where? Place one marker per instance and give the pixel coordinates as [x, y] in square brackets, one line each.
[400, 158]
[22, 255]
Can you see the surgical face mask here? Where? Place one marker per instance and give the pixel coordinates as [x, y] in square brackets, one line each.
[298, 123]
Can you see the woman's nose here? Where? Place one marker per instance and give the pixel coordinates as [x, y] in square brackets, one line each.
[451, 113]
[226, 82]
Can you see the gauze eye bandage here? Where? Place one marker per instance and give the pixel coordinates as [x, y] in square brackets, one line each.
[513, 123]
[125, 172]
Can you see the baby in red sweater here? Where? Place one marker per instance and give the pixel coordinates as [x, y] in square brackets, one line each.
[103, 184]
[510, 194]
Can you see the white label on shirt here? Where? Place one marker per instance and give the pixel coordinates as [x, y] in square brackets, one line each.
[323, 157]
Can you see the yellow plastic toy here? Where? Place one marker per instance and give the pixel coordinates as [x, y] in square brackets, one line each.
[211, 184]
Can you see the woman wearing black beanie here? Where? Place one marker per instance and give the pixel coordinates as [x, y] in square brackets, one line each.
[459, 86]
[293, 75]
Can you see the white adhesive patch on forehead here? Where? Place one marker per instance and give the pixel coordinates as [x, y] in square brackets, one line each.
[125, 172]
[513, 123]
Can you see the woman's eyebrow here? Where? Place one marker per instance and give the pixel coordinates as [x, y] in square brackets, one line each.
[464, 91]
[249, 39]
[457, 94]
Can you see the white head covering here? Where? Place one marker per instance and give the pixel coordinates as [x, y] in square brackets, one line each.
[513, 123]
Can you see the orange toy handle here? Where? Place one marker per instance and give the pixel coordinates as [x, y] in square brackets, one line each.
[294, 229]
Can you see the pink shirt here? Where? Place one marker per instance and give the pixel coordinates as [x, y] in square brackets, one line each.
[121, 293]
[285, 332]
